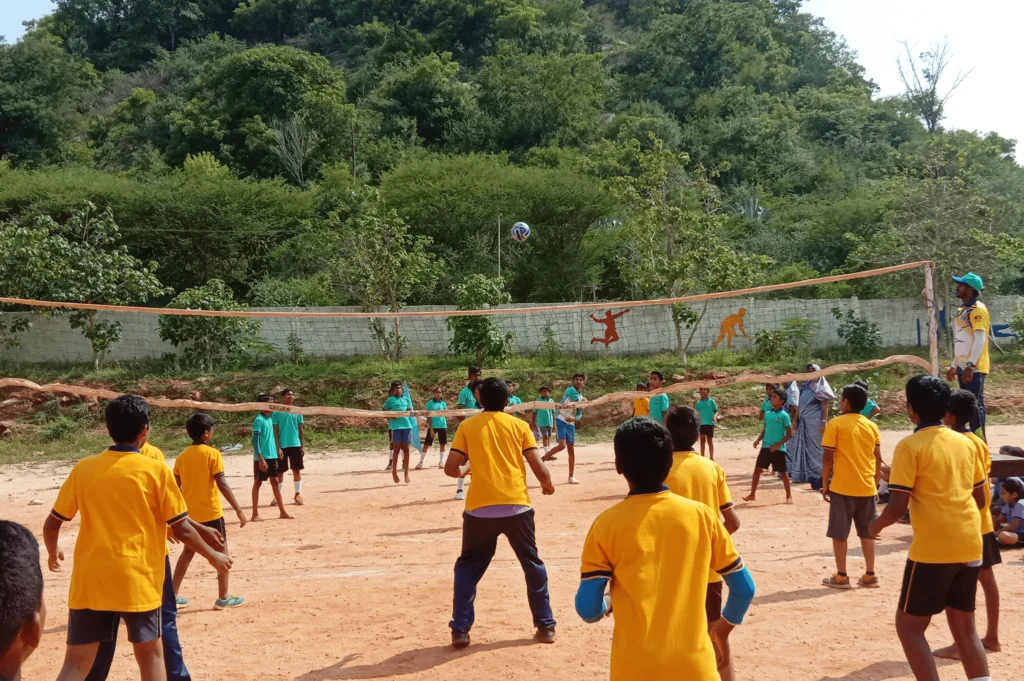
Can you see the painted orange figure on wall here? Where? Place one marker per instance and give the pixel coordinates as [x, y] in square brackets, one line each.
[731, 326]
[611, 331]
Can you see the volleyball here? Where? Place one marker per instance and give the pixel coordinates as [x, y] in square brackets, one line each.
[520, 231]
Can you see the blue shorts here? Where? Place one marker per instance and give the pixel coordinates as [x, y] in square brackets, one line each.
[402, 436]
[566, 431]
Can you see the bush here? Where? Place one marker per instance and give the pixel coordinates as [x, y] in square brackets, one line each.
[480, 336]
[860, 335]
[792, 339]
[59, 428]
[209, 339]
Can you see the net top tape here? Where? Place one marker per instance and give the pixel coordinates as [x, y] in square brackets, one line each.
[465, 313]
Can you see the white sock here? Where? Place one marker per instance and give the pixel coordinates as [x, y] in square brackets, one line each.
[423, 455]
[982, 678]
[298, 487]
[462, 482]
[440, 460]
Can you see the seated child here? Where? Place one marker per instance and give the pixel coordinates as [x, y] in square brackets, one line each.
[1010, 518]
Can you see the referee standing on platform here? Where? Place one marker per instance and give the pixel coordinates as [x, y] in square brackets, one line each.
[970, 327]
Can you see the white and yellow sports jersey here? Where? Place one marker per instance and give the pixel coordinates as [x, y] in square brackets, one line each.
[968, 320]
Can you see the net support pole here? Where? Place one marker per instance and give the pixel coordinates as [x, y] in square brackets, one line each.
[933, 316]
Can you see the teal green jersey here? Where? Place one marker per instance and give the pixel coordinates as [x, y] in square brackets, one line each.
[659, 405]
[869, 407]
[466, 399]
[263, 437]
[399, 404]
[512, 400]
[545, 417]
[707, 410]
[437, 422]
[766, 406]
[571, 394]
[288, 428]
[775, 425]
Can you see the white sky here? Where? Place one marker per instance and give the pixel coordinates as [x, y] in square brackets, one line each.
[982, 35]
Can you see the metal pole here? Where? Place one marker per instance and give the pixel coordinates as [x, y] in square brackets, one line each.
[499, 245]
[931, 303]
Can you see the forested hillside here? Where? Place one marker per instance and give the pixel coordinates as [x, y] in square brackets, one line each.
[324, 152]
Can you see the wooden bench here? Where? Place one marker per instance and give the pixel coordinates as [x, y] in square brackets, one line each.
[1005, 466]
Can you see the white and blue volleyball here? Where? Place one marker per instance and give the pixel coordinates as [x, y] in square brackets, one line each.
[520, 231]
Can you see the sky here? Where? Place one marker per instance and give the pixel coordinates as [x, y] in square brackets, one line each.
[980, 35]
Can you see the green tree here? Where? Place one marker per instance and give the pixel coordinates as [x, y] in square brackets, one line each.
[81, 260]
[208, 340]
[480, 336]
[381, 264]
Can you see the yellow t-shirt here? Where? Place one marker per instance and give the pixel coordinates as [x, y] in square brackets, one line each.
[967, 321]
[854, 438]
[641, 406]
[657, 549]
[940, 469]
[127, 502]
[494, 442]
[151, 451]
[986, 462]
[694, 477]
[198, 467]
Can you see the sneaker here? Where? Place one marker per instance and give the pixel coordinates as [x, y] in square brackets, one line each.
[229, 602]
[573, 481]
[419, 466]
[545, 634]
[274, 502]
[460, 495]
[460, 639]
[299, 501]
[837, 582]
[388, 467]
[905, 520]
[182, 603]
[869, 581]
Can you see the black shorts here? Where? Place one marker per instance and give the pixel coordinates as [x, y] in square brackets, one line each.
[271, 472]
[708, 430]
[777, 460]
[292, 459]
[442, 437]
[930, 588]
[713, 601]
[218, 525]
[990, 550]
[845, 511]
[100, 626]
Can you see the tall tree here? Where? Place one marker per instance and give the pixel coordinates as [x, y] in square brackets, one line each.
[922, 78]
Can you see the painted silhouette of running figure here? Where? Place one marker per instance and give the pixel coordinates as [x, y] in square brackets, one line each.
[732, 325]
[611, 331]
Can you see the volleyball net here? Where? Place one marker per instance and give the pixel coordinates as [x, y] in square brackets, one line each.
[876, 312]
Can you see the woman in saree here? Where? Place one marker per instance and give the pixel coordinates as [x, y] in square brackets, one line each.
[804, 449]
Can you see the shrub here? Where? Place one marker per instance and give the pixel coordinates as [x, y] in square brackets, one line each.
[860, 335]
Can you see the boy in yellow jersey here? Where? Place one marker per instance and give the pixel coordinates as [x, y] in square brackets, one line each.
[962, 406]
[971, 325]
[853, 450]
[199, 472]
[641, 405]
[22, 609]
[695, 477]
[938, 474]
[496, 444]
[657, 549]
[126, 501]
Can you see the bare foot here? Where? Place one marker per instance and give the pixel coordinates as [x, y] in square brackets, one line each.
[394, 476]
[407, 481]
[789, 500]
[749, 497]
[947, 653]
[991, 645]
[255, 519]
[284, 516]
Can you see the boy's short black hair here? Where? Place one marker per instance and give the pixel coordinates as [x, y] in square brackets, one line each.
[856, 396]
[928, 396]
[684, 426]
[493, 394]
[771, 386]
[286, 391]
[782, 394]
[863, 384]
[643, 452]
[1015, 486]
[437, 389]
[543, 388]
[395, 384]
[127, 416]
[641, 386]
[197, 425]
[21, 581]
[473, 371]
[962, 405]
[661, 376]
[579, 374]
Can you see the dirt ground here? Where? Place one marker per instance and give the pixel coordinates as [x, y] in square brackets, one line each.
[359, 585]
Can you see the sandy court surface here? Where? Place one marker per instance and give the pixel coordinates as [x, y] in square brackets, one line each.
[359, 585]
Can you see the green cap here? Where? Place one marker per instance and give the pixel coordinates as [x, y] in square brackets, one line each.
[972, 280]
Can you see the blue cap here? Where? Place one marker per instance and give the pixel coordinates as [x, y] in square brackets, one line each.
[972, 280]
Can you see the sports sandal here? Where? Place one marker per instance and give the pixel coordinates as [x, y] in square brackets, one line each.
[837, 582]
[869, 581]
